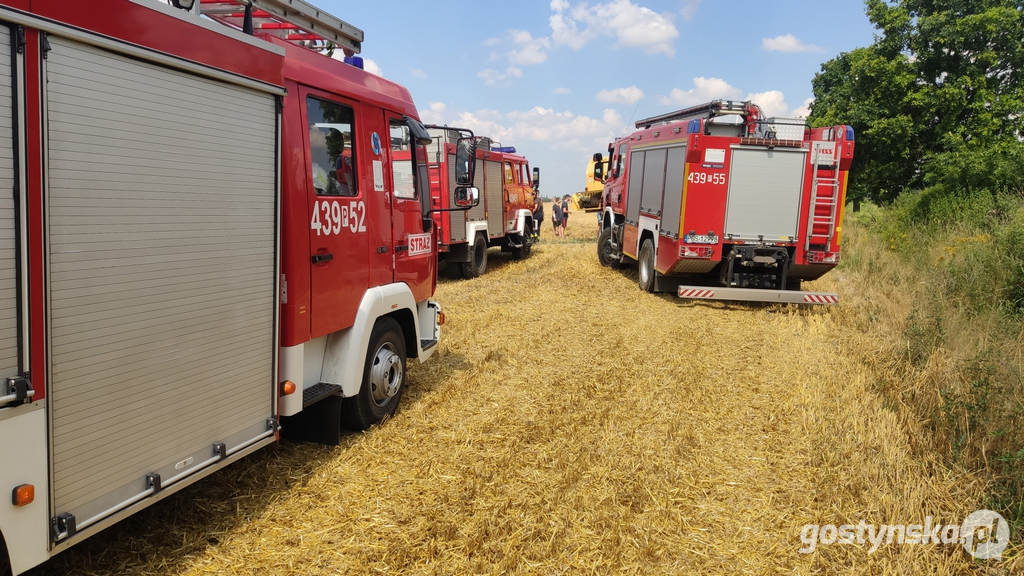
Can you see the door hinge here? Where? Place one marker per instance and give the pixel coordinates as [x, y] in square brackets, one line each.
[62, 527]
[44, 44]
[19, 39]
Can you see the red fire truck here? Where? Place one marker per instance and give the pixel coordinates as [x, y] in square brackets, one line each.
[209, 234]
[504, 216]
[742, 206]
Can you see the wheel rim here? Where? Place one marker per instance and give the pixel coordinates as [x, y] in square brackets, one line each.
[645, 265]
[385, 374]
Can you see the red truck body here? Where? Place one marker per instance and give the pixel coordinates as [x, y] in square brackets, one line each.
[504, 216]
[746, 206]
[208, 238]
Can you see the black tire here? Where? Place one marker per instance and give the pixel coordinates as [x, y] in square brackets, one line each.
[605, 252]
[478, 264]
[646, 274]
[524, 250]
[383, 378]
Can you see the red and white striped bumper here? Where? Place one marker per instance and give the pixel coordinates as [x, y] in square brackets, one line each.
[757, 295]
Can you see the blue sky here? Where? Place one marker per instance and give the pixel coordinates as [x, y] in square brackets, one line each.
[558, 79]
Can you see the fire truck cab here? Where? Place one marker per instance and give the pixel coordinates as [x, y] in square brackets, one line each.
[210, 234]
[504, 216]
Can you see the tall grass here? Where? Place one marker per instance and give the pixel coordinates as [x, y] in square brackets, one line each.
[942, 282]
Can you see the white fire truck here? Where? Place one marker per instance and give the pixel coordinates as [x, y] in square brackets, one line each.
[210, 234]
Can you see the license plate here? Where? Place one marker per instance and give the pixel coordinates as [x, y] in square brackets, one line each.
[700, 239]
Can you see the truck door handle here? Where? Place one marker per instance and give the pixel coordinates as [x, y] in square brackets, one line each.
[318, 258]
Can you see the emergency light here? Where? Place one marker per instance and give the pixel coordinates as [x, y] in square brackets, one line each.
[504, 149]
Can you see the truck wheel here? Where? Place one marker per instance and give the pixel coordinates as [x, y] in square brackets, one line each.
[527, 245]
[478, 265]
[383, 378]
[605, 252]
[647, 272]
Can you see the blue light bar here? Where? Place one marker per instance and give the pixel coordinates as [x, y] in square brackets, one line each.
[356, 61]
[504, 149]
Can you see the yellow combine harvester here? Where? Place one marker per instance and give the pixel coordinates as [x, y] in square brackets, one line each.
[589, 200]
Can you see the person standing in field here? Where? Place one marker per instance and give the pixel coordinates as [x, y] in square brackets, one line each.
[565, 213]
[538, 217]
[556, 217]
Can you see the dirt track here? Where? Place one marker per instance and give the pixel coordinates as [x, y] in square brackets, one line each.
[573, 424]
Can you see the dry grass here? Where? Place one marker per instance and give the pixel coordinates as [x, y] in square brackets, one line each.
[571, 424]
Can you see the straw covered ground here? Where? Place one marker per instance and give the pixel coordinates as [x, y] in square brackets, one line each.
[571, 424]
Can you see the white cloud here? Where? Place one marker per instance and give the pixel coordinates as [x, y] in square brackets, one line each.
[560, 129]
[632, 25]
[804, 110]
[772, 102]
[704, 90]
[526, 50]
[434, 113]
[629, 95]
[561, 91]
[418, 73]
[490, 76]
[787, 43]
[689, 8]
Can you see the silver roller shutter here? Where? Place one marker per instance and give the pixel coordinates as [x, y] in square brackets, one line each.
[674, 169]
[161, 272]
[494, 179]
[477, 212]
[8, 216]
[765, 188]
[456, 219]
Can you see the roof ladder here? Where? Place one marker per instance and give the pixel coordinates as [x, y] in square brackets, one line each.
[294, 20]
[824, 194]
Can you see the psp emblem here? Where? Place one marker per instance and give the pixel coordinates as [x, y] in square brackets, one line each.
[375, 143]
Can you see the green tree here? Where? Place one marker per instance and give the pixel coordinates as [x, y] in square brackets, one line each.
[940, 83]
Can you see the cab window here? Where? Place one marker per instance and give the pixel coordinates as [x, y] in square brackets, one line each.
[332, 155]
[508, 173]
[524, 174]
[401, 160]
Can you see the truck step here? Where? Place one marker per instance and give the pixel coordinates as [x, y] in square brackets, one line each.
[318, 392]
[756, 295]
[427, 344]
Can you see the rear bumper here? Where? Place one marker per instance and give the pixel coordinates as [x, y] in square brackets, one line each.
[756, 295]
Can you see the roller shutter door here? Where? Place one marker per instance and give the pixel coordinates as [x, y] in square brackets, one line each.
[494, 194]
[8, 217]
[765, 189]
[161, 272]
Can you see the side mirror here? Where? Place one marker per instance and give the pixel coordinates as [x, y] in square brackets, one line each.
[467, 197]
[598, 166]
[465, 161]
[536, 178]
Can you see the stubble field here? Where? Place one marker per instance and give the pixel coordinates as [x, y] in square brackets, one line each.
[572, 424]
